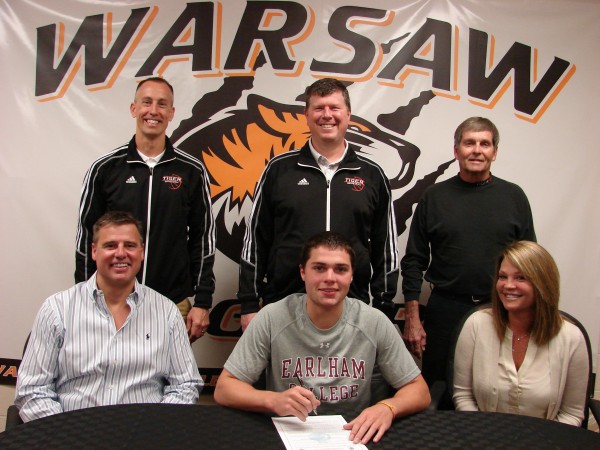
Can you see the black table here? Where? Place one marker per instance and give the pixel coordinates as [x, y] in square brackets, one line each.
[214, 427]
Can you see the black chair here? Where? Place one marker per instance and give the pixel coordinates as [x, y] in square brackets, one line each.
[12, 417]
[590, 381]
[12, 413]
[441, 392]
[595, 409]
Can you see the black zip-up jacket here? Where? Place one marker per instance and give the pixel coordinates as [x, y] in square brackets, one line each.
[173, 202]
[293, 201]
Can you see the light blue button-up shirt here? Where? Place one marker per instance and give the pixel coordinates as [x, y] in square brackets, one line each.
[76, 358]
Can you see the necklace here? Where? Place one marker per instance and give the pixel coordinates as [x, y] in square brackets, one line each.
[518, 339]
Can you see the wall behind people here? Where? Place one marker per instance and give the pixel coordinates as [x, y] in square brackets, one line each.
[415, 71]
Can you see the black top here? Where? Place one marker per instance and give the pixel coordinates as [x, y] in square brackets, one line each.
[462, 228]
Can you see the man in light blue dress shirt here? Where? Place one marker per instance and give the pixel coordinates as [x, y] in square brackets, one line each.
[109, 340]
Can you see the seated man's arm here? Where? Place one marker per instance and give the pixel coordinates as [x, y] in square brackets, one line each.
[235, 393]
[36, 395]
[184, 379]
[375, 420]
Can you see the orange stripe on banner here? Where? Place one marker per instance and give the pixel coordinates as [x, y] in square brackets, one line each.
[61, 38]
[269, 17]
[491, 104]
[491, 52]
[109, 21]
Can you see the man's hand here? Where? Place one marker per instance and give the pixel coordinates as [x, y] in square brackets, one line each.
[373, 422]
[414, 335]
[245, 320]
[197, 323]
[296, 401]
[235, 393]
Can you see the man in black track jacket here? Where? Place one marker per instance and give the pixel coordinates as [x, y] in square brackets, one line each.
[167, 190]
[326, 185]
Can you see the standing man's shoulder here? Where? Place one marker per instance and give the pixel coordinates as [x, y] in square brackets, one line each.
[286, 159]
[115, 156]
[441, 187]
[452, 181]
[366, 163]
[281, 165]
[186, 158]
[508, 185]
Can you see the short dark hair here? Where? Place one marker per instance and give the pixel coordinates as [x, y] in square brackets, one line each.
[116, 218]
[156, 79]
[327, 86]
[331, 240]
[477, 124]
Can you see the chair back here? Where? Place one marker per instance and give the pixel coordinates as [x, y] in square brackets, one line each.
[590, 379]
[12, 413]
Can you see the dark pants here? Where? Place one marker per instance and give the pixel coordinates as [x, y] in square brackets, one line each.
[442, 316]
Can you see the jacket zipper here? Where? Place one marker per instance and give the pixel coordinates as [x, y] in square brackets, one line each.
[147, 240]
[328, 190]
[328, 211]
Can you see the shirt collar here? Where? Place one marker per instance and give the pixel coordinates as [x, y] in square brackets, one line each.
[151, 160]
[135, 297]
[324, 162]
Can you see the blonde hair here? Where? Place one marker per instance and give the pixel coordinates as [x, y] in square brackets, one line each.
[539, 268]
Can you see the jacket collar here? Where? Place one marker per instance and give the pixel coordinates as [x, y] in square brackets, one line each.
[350, 161]
[134, 156]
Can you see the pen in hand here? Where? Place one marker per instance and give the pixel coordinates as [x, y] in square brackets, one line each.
[304, 386]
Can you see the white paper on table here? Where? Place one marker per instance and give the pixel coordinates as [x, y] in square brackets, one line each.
[318, 432]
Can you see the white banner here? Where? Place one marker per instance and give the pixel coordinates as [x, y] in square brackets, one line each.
[416, 70]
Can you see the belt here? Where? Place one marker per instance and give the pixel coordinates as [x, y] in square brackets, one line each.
[462, 298]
